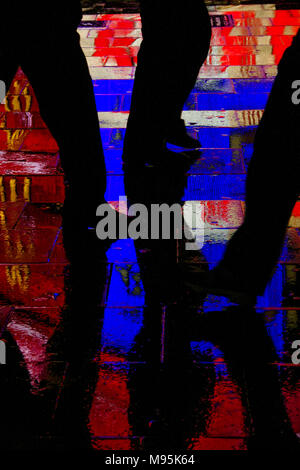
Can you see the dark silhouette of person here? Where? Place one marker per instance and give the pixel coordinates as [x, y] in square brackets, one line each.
[272, 189]
[254, 369]
[175, 44]
[55, 416]
[172, 388]
[41, 38]
[164, 386]
[172, 403]
[72, 349]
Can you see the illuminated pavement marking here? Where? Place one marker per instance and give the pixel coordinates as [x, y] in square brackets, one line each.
[223, 111]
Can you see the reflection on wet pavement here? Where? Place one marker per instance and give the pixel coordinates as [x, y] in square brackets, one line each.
[107, 349]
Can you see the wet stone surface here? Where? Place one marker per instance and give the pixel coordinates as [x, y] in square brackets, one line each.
[106, 347]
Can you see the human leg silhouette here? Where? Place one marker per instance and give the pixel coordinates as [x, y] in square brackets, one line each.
[67, 105]
[272, 186]
[56, 67]
[175, 45]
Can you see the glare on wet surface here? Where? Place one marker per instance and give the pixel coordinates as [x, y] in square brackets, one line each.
[117, 376]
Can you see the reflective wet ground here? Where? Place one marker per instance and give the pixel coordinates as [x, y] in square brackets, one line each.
[111, 350]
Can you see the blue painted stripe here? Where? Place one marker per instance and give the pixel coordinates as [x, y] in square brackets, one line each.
[204, 85]
[195, 102]
[210, 137]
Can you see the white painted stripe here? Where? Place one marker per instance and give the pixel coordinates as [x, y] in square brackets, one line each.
[259, 50]
[89, 17]
[111, 73]
[119, 16]
[210, 71]
[227, 118]
[229, 8]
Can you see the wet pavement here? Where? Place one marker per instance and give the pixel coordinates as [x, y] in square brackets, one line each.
[110, 350]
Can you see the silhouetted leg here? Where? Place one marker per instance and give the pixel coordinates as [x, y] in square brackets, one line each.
[249, 353]
[57, 69]
[8, 67]
[8, 58]
[272, 181]
[271, 426]
[175, 45]
[75, 343]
